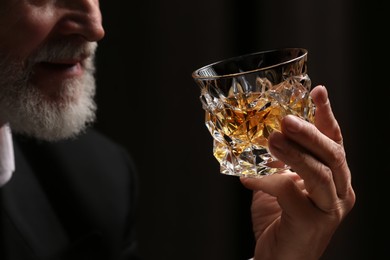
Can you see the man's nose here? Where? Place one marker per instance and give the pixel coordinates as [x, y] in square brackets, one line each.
[82, 18]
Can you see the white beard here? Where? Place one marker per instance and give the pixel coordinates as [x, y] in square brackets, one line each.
[29, 112]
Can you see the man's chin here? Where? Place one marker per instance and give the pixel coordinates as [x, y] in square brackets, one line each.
[54, 131]
[53, 118]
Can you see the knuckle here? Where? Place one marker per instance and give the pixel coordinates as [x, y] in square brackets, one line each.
[323, 177]
[337, 211]
[287, 184]
[338, 154]
[350, 199]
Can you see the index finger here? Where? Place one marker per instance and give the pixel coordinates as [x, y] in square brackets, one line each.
[325, 120]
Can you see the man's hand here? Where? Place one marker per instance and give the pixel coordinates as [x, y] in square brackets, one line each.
[296, 213]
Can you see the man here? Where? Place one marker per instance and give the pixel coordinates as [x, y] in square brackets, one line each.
[77, 206]
[69, 193]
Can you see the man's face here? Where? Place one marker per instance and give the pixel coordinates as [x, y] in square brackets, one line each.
[47, 65]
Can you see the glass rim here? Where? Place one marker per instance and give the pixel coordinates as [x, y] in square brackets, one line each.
[195, 74]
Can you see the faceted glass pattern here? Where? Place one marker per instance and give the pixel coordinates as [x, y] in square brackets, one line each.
[245, 98]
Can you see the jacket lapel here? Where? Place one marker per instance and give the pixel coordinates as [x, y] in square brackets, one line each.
[35, 222]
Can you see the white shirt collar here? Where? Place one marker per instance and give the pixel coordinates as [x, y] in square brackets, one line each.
[7, 160]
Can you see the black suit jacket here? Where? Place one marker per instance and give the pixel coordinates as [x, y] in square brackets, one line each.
[72, 199]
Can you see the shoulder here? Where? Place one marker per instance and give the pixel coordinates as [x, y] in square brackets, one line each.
[90, 155]
[96, 152]
[91, 140]
[89, 145]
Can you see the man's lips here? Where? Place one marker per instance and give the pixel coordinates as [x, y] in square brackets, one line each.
[50, 76]
[60, 66]
[58, 69]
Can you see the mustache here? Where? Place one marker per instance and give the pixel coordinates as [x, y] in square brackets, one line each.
[63, 51]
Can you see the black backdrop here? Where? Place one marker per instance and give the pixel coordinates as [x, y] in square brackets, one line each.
[149, 102]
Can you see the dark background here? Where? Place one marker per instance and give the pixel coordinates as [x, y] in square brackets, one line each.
[149, 102]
